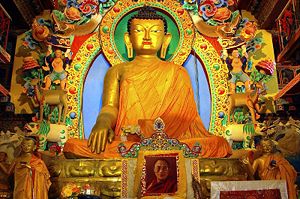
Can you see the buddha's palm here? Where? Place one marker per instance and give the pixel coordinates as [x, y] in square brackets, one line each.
[101, 133]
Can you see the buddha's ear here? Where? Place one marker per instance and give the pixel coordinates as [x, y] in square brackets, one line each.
[128, 45]
[164, 47]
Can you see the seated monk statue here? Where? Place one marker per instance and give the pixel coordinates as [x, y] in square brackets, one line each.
[137, 92]
[273, 166]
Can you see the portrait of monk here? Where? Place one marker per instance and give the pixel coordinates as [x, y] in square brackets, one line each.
[161, 175]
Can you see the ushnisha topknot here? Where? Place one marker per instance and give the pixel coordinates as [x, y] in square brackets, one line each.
[147, 12]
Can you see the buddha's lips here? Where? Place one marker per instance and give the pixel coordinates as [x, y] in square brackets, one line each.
[147, 42]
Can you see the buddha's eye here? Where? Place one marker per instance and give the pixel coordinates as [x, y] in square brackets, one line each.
[138, 30]
[156, 31]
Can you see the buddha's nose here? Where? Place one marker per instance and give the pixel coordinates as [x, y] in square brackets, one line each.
[147, 35]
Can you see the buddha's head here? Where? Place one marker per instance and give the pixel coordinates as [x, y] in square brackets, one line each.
[147, 33]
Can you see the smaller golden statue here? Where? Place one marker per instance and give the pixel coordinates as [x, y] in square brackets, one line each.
[273, 166]
[32, 179]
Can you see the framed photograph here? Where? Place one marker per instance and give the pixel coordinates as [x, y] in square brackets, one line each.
[259, 189]
[161, 174]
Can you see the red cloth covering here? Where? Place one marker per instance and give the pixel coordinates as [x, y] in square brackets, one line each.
[251, 194]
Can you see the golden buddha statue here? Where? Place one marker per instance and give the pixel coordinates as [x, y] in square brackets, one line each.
[137, 92]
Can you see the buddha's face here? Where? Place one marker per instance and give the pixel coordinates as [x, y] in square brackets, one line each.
[28, 146]
[161, 170]
[147, 35]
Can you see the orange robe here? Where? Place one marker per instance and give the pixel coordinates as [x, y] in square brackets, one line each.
[34, 183]
[283, 171]
[161, 90]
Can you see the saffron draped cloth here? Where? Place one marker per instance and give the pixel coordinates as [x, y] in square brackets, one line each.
[32, 182]
[164, 90]
[282, 171]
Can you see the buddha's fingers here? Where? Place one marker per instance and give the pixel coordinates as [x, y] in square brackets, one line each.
[91, 138]
[111, 135]
[102, 141]
[94, 141]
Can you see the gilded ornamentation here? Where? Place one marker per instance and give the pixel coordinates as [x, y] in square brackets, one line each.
[124, 181]
[88, 168]
[217, 76]
[220, 170]
[113, 169]
[111, 186]
[76, 75]
[103, 175]
[195, 169]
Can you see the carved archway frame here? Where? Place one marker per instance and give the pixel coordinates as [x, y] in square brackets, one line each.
[91, 48]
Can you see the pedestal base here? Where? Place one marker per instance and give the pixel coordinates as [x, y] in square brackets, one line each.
[104, 175]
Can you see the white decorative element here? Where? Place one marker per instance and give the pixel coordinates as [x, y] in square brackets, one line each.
[235, 132]
[130, 129]
[57, 133]
[9, 142]
[218, 186]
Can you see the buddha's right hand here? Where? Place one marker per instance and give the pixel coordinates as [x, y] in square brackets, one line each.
[101, 133]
